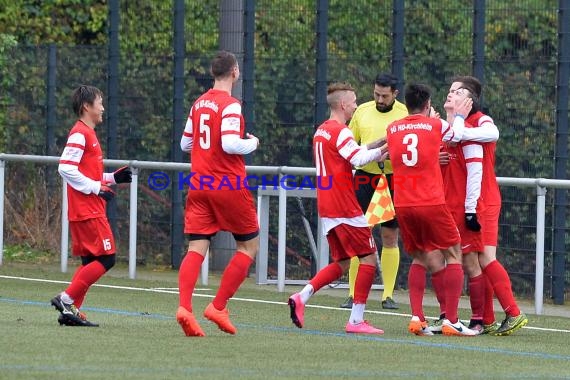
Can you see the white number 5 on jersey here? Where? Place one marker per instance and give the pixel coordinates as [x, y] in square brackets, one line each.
[411, 157]
[204, 131]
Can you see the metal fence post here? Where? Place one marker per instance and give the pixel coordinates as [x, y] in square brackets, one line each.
[133, 211]
[321, 60]
[559, 259]
[2, 170]
[282, 235]
[398, 54]
[178, 123]
[479, 40]
[263, 255]
[64, 227]
[539, 272]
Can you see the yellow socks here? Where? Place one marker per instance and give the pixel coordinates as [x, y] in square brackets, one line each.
[389, 262]
[352, 272]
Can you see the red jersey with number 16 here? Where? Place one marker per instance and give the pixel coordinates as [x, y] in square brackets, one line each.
[413, 144]
[212, 167]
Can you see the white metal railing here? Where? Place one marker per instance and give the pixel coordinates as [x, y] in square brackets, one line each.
[539, 184]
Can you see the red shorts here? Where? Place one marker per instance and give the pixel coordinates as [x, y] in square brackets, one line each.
[471, 241]
[427, 228]
[210, 211]
[346, 241]
[92, 237]
[489, 220]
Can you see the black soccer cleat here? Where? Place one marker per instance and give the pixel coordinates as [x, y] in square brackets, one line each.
[64, 308]
[67, 320]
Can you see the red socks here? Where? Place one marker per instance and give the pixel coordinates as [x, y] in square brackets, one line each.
[417, 286]
[84, 277]
[187, 277]
[79, 300]
[489, 311]
[501, 282]
[453, 287]
[364, 280]
[437, 282]
[234, 274]
[325, 276]
[477, 296]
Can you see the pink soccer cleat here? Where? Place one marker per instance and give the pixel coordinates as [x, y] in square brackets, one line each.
[297, 310]
[362, 328]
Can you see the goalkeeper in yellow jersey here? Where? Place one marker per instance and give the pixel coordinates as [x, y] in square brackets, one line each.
[368, 124]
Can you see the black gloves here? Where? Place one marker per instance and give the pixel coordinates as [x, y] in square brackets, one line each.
[106, 193]
[123, 175]
[471, 222]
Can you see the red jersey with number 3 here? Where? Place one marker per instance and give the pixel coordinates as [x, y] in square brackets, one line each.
[212, 167]
[413, 144]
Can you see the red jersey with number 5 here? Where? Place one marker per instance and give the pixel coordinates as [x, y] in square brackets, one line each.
[212, 167]
[413, 144]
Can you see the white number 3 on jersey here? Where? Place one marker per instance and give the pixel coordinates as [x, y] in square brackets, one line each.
[410, 158]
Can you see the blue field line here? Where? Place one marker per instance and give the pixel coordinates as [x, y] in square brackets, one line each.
[417, 342]
[249, 373]
[95, 309]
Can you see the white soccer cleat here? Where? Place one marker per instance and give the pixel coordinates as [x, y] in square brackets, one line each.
[456, 329]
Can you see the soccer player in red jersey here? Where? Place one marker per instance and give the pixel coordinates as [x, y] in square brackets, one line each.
[462, 176]
[425, 220]
[487, 214]
[335, 153]
[81, 166]
[217, 199]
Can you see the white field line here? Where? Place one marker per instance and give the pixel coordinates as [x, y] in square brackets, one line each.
[175, 291]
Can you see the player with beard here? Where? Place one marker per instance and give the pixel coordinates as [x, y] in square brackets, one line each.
[368, 124]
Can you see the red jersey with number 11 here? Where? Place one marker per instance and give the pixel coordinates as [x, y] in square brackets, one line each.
[333, 147]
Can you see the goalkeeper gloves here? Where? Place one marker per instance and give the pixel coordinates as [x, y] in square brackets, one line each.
[472, 222]
[106, 192]
[123, 175]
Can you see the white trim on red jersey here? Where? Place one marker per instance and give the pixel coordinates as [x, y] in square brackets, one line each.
[187, 139]
[473, 153]
[485, 132]
[232, 143]
[330, 223]
[453, 132]
[357, 155]
[69, 166]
